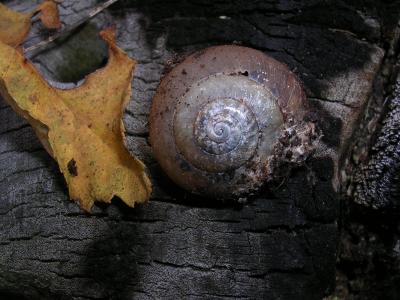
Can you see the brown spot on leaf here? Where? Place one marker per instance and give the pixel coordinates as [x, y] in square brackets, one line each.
[72, 168]
[33, 98]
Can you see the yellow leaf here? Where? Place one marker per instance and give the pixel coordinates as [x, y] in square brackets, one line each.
[49, 14]
[81, 128]
[15, 26]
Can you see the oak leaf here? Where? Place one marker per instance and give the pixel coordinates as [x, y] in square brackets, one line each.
[81, 128]
[15, 26]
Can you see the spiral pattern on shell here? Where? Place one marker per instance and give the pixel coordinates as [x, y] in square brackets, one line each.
[217, 124]
[217, 117]
[223, 125]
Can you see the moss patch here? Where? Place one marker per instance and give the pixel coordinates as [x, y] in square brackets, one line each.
[76, 56]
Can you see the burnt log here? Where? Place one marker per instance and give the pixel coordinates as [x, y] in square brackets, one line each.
[369, 253]
[378, 182]
[281, 244]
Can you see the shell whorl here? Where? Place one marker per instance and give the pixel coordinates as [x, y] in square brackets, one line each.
[224, 125]
[217, 117]
[219, 121]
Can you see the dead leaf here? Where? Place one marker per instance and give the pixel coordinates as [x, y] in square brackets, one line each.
[15, 26]
[81, 128]
[49, 14]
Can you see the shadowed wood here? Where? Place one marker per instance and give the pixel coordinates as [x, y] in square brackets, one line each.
[279, 245]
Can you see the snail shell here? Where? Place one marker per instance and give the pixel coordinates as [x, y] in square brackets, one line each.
[217, 119]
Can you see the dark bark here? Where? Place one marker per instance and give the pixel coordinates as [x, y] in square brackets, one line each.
[279, 245]
[378, 182]
[369, 256]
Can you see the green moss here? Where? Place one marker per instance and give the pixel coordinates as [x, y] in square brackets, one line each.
[75, 57]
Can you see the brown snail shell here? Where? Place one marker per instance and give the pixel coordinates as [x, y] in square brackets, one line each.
[218, 117]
